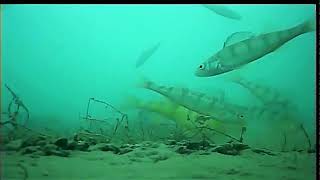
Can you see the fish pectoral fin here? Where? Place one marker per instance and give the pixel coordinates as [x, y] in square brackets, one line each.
[238, 37]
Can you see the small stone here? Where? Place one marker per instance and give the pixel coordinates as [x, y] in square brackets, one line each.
[245, 174]
[92, 141]
[62, 153]
[126, 146]
[45, 173]
[35, 155]
[82, 146]
[113, 163]
[50, 147]
[106, 147]
[47, 149]
[152, 153]
[230, 148]
[33, 164]
[212, 145]
[132, 146]
[5, 140]
[14, 145]
[160, 157]
[183, 150]
[136, 145]
[198, 145]
[62, 143]
[125, 150]
[201, 152]
[143, 148]
[147, 143]
[78, 145]
[182, 143]
[155, 145]
[311, 151]
[30, 149]
[96, 147]
[41, 143]
[171, 142]
[32, 140]
[135, 160]
[139, 154]
[262, 151]
[110, 147]
[240, 146]
[193, 145]
[226, 149]
[291, 167]
[232, 171]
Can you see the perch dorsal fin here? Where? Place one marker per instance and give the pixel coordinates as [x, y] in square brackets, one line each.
[238, 37]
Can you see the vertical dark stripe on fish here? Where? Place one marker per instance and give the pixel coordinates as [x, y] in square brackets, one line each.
[170, 89]
[212, 102]
[232, 50]
[250, 44]
[272, 40]
[199, 96]
[207, 65]
[148, 84]
[283, 35]
[184, 92]
[163, 89]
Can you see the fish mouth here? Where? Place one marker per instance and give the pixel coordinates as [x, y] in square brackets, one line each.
[206, 74]
[200, 74]
[211, 73]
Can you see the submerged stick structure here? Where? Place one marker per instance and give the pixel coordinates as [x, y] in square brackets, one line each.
[14, 113]
[123, 119]
[306, 135]
[200, 125]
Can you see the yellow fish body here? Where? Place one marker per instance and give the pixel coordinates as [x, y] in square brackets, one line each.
[185, 119]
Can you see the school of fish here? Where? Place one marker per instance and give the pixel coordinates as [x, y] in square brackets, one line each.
[239, 49]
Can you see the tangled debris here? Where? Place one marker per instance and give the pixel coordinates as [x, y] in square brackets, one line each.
[13, 113]
[117, 120]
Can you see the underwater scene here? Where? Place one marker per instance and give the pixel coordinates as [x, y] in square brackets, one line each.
[181, 91]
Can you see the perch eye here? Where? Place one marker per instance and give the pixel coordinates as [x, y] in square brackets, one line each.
[201, 66]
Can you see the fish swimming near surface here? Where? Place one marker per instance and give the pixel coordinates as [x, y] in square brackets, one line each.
[145, 55]
[213, 106]
[239, 53]
[223, 11]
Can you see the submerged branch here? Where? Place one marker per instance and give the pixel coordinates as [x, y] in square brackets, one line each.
[306, 134]
[25, 172]
[119, 122]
